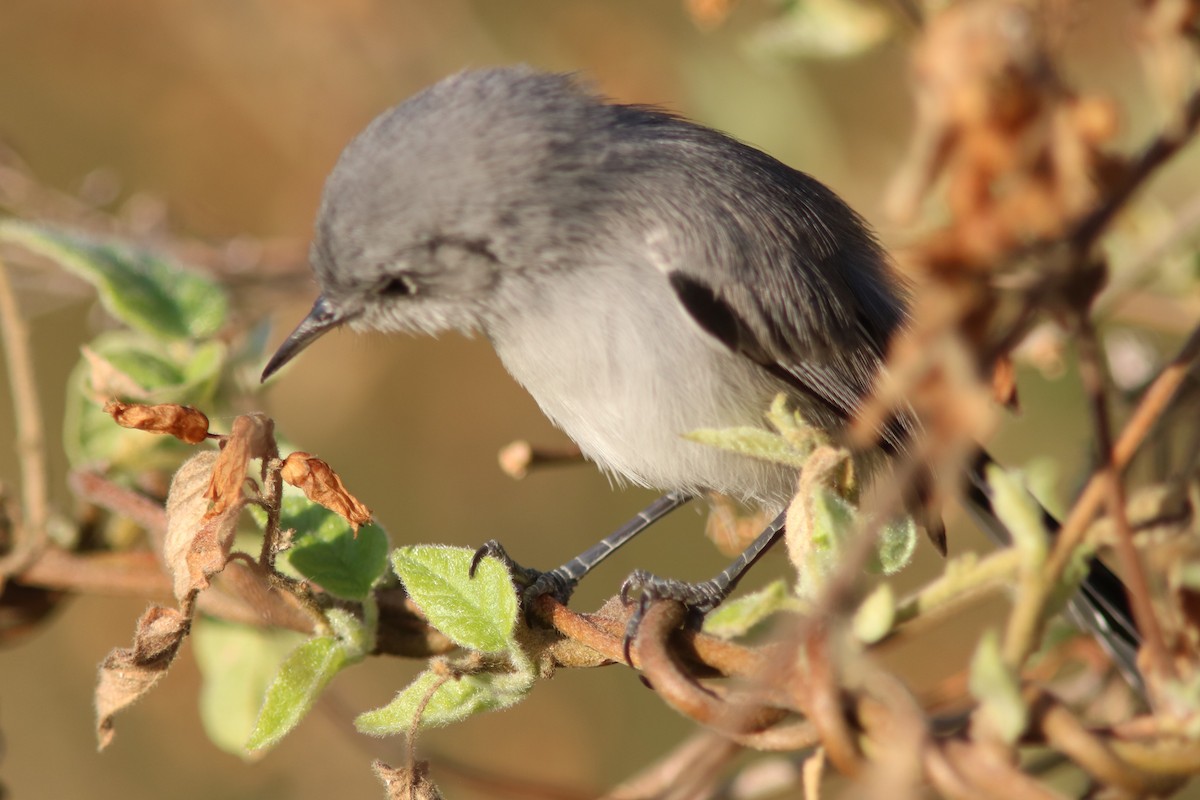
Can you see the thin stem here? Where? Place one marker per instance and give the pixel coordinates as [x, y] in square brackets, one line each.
[31, 453]
[1154, 155]
[1154, 403]
[1091, 370]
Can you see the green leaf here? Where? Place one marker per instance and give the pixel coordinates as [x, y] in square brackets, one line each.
[326, 551]
[478, 613]
[749, 441]
[737, 617]
[830, 518]
[793, 427]
[875, 616]
[141, 289]
[356, 636]
[135, 368]
[823, 29]
[998, 690]
[1020, 514]
[237, 663]
[456, 699]
[296, 687]
[897, 543]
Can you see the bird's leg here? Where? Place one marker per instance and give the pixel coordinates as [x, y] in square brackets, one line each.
[561, 581]
[700, 598]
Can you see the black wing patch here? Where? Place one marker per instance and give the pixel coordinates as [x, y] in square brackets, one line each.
[836, 387]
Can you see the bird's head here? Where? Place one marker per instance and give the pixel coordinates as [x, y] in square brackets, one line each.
[439, 200]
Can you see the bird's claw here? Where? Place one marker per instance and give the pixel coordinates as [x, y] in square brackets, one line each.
[532, 583]
[697, 598]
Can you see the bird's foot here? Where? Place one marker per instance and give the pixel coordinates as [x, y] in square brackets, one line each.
[532, 583]
[698, 598]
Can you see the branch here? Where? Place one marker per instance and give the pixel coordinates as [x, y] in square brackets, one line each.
[30, 535]
[1088, 230]
[1154, 403]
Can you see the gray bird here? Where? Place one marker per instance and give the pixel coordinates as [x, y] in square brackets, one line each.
[640, 275]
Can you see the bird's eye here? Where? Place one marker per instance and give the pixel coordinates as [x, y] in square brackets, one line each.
[398, 286]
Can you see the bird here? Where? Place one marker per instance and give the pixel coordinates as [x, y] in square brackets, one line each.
[642, 276]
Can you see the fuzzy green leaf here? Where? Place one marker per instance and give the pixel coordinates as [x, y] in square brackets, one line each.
[897, 543]
[1021, 515]
[738, 616]
[456, 699]
[998, 690]
[326, 551]
[238, 663]
[829, 518]
[301, 678]
[753, 442]
[793, 427]
[477, 613]
[874, 618]
[142, 290]
[823, 29]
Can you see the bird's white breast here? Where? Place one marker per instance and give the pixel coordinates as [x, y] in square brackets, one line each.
[614, 360]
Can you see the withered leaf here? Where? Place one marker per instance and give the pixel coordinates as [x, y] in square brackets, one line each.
[406, 783]
[187, 505]
[182, 422]
[252, 436]
[210, 547]
[322, 485]
[128, 673]
[1004, 383]
[198, 538]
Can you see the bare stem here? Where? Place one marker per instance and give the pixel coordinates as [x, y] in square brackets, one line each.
[1154, 403]
[1091, 370]
[31, 452]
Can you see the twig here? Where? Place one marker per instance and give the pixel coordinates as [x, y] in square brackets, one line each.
[93, 487]
[1155, 401]
[1135, 273]
[734, 719]
[519, 457]
[960, 583]
[138, 573]
[31, 534]
[704, 752]
[1088, 230]
[1091, 371]
[1067, 734]
[272, 496]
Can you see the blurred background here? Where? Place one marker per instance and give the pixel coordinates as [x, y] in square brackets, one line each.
[220, 121]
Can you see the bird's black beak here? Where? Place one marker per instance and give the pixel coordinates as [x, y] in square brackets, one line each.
[322, 318]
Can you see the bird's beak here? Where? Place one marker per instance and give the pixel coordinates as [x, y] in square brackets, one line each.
[322, 318]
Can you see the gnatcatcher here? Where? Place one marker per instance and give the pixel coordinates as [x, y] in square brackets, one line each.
[640, 275]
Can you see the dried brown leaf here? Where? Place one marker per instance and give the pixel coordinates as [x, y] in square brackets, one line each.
[406, 783]
[731, 528]
[252, 436]
[187, 506]
[126, 674]
[322, 485]
[1004, 383]
[209, 550]
[182, 422]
